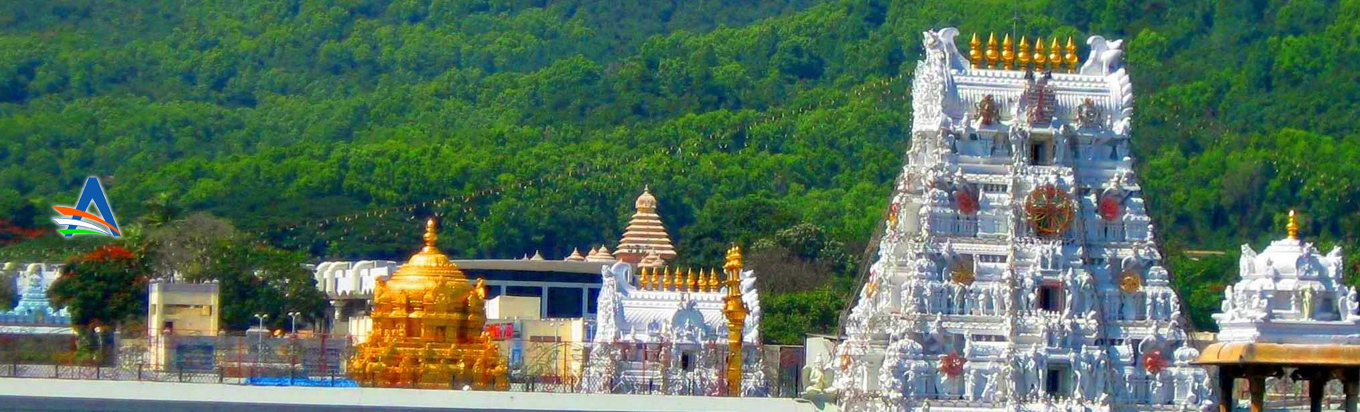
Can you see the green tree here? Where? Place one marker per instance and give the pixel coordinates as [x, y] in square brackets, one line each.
[105, 287]
[255, 279]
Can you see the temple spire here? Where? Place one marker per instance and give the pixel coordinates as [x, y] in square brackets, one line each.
[645, 234]
[1292, 227]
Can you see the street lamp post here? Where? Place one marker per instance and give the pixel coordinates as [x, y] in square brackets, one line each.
[261, 317]
[294, 315]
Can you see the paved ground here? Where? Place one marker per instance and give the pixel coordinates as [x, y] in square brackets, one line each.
[26, 394]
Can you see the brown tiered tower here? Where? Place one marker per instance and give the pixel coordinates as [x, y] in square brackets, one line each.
[645, 234]
[428, 328]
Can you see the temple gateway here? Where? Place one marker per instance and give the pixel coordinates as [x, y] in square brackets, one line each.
[1018, 269]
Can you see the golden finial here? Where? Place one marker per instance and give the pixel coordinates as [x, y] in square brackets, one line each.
[431, 235]
[1292, 227]
[1039, 57]
[975, 51]
[1007, 52]
[733, 260]
[1071, 56]
[1024, 54]
[691, 284]
[710, 281]
[642, 278]
[656, 277]
[1055, 55]
[992, 54]
[666, 279]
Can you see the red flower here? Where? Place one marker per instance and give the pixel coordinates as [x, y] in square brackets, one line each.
[108, 252]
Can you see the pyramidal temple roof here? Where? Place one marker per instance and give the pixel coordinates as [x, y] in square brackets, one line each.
[645, 233]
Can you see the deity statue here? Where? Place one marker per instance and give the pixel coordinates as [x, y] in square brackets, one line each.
[819, 387]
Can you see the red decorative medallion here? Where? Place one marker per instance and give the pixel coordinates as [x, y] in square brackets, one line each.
[1049, 210]
[952, 364]
[1109, 208]
[1154, 362]
[965, 201]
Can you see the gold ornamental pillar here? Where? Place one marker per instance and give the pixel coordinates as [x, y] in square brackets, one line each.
[735, 310]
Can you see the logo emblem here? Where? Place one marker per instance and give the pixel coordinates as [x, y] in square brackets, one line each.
[80, 222]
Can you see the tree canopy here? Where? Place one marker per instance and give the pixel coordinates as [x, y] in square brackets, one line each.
[330, 127]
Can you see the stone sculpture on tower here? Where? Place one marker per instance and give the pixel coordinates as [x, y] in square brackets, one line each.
[1018, 269]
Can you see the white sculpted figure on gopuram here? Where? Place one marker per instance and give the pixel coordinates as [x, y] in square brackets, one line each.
[1018, 270]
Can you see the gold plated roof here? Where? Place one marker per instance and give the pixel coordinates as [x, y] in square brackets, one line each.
[1253, 353]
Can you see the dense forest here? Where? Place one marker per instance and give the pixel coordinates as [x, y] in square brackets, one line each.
[328, 128]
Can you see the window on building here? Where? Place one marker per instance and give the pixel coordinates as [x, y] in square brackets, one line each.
[1041, 153]
[687, 361]
[492, 291]
[1056, 383]
[992, 258]
[995, 188]
[565, 303]
[592, 300]
[1050, 298]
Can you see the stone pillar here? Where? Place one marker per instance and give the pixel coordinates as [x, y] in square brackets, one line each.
[1225, 389]
[1258, 392]
[1350, 385]
[543, 303]
[585, 302]
[1315, 385]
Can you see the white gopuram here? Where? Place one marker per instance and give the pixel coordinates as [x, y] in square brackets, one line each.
[1291, 294]
[1018, 270]
[665, 331]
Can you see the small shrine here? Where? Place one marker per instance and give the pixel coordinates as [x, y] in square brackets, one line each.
[677, 331]
[428, 329]
[1289, 315]
[34, 308]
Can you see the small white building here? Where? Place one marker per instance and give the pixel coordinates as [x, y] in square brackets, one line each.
[1290, 293]
[1289, 319]
[664, 331]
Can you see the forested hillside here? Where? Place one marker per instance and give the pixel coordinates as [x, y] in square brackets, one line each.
[328, 127]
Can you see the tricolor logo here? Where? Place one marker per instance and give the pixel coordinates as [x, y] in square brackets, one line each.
[93, 192]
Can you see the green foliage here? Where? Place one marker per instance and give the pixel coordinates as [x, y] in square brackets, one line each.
[745, 117]
[260, 280]
[789, 317]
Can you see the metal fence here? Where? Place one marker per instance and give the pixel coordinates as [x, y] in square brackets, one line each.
[263, 360]
[254, 359]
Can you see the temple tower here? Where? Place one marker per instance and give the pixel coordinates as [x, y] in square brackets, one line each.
[645, 233]
[1018, 269]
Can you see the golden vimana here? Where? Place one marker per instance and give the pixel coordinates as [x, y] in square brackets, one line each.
[1008, 58]
[428, 328]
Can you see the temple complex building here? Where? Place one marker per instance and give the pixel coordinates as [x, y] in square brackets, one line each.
[428, 329]
[565, 289]
[677, 331]
[1018, 268]
[1290, 315]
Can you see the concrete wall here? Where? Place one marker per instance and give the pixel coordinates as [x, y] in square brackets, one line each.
[84, 395]
[512, 307]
